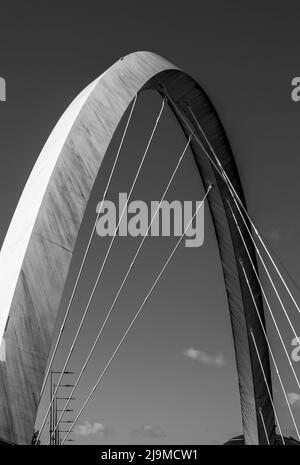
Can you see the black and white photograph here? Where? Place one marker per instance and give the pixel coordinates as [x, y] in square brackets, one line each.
[149, 233]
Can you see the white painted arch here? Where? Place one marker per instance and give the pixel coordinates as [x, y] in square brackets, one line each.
[39, 245]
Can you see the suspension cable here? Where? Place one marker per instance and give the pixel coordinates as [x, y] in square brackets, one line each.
[123, 283]
[236, 196]
[238, 202]
[103, 264]
[266, 270]
[263, 422]
[267, 385]
[87, 249]
[270, 350]
[264, 294]
[219, 168]
[136, 315]
[281, 263]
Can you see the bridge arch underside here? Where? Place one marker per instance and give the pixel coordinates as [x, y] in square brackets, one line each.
[48, 252]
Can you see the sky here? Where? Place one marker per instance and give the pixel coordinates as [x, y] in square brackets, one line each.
[174, 381]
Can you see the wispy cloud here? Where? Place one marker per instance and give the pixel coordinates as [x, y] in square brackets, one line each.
[203, 357]
[87, 429]
[294, 399]
[149, 432]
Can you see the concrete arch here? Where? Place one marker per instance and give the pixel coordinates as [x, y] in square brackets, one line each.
[41, 239]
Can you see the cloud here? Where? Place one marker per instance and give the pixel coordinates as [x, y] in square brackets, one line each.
[294, 399]
[203, 357]
[149, 432]
[87, 429]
